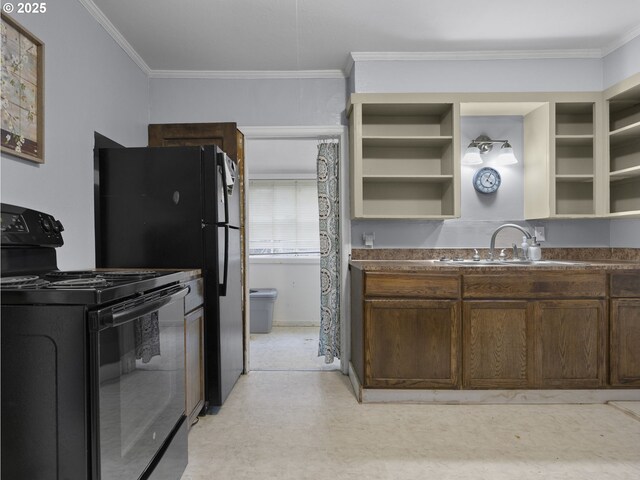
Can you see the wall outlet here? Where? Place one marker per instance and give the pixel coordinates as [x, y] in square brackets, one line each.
[368, 239]
[538, 232]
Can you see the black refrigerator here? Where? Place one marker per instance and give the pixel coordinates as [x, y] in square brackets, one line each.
[179, 208]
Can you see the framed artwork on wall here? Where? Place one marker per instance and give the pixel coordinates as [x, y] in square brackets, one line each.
[22, 92]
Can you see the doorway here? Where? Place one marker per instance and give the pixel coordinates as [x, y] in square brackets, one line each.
[285, 157]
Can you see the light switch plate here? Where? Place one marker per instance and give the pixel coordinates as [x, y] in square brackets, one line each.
[538, 232]
[368, 239]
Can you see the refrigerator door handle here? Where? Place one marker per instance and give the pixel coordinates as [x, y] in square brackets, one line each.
[223, 176]
[222, 289]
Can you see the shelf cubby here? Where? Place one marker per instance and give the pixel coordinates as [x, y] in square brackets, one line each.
[406, 198]
[574, 197]
[625, 196]
[574, 118]
[574, 158]
[624, 152]
[403, 158]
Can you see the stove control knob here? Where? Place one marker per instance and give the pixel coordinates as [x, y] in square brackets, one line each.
[46, 224]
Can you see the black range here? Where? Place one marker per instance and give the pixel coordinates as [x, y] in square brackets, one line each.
[92, 363]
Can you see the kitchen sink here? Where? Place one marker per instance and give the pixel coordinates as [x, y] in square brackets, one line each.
[503, 263]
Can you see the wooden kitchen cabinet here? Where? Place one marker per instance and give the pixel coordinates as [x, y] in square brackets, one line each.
[412, 343]
[564, 318]
[497, 350]
[405, 156]
[406, 330]
[194, 350]
[570, 343]
[194, 361]
[624, 347]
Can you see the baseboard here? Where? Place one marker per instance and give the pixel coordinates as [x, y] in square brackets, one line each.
[489, 397]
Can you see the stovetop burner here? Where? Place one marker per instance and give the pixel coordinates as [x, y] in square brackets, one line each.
[23, 281]
[80, 283]
[109, 275]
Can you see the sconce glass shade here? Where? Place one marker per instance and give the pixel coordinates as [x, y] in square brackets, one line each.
[506, 156]
[472, 155]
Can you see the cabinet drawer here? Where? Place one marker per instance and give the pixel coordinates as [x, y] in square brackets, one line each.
[382, 284]
[568, 284]
[625, 284]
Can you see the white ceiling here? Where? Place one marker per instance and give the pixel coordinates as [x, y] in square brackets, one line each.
[309, 35]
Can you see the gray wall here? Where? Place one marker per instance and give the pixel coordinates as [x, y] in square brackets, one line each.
[249, 102]
[540, 75]
[90, 85]
[622, 63]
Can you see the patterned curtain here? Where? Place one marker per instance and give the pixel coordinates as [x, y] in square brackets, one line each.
[329, 208]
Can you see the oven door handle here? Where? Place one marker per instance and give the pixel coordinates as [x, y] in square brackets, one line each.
[107, 318]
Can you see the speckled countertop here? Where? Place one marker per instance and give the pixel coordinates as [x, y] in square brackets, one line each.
[592, 259]
[469, 267]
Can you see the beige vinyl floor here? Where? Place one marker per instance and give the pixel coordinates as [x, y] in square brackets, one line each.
[288, 348]
[307, 424]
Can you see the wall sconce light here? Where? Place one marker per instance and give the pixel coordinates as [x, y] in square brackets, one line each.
[483, 145]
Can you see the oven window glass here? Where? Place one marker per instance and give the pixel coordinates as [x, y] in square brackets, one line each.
[141, 389]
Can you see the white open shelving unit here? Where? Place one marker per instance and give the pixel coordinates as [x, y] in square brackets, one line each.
[581, 149]
[623, 106]
[405, 157]
[575, 154]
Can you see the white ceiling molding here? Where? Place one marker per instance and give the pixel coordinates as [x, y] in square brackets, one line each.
[115, 34]
[630, 35]
[470, 55]
[247, 74]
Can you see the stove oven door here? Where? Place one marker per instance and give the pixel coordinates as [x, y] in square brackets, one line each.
[138, 399]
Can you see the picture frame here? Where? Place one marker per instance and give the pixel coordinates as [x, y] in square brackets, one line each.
[22, 92]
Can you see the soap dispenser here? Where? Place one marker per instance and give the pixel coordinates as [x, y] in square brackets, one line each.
[535, 252]
[525, 247]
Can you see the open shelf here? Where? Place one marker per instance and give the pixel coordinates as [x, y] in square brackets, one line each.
[574, 118]
[574, 173]
[407, 179]
[574, 198]
[574, 178]
[398, 198]
[624, 152]
[404, 159]
[405, 141]
[625, 173]
[401, 120]
[625, 196]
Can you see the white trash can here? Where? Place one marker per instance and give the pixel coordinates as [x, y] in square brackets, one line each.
[261, 308]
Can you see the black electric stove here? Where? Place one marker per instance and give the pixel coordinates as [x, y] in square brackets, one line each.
[92, 363]
[86, 287]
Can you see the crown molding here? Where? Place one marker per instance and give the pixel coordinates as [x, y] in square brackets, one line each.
[246, 74]
[101, 18]
[479, 55]
[619, 42]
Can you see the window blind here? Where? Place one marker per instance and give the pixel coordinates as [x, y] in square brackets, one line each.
[283, 217]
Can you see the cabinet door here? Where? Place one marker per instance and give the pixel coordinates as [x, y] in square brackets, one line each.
[570, 338]
[625, 342]
[225, 135]
[412, 343]
[194, 363]
[497, 350]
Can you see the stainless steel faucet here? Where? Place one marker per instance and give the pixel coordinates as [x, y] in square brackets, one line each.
[492, 245]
